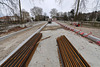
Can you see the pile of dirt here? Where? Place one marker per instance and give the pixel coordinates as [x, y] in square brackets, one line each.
[13, 30]
[16, 29]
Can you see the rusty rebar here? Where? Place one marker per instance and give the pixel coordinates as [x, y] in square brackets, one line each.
[69, 55]
[20, 57]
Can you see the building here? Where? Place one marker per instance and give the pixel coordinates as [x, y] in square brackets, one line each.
[5, 18]
[9, 18]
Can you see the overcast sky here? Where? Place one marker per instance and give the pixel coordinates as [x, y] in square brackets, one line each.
[47, 5]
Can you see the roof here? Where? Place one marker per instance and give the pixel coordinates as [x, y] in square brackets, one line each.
[5, 17]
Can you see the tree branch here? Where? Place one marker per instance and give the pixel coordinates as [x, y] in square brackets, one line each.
[7, 6]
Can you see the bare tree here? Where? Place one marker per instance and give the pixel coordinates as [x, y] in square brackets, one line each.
[25, 15]
[60, 13]
[79, 5]
[9, 6]
[53, 12]
[45, 14]
[59, 1]
[21, 20]
[36, 11]
[96, 4]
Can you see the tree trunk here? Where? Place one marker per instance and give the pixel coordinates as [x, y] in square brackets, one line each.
[75, 18]
[20, 11]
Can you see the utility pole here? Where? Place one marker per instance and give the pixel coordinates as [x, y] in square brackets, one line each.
[20, 11]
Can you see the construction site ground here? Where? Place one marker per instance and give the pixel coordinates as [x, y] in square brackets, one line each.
[95, 31]
[10, 43]
[46, 54]
[16, 27]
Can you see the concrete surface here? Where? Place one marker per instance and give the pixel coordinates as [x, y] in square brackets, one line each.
[46, 54]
